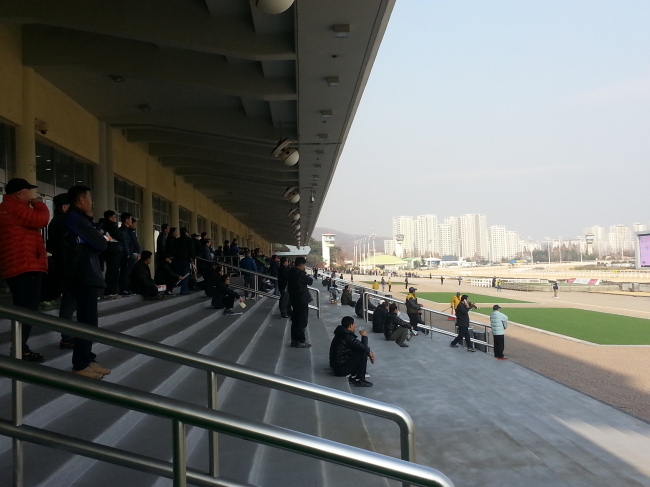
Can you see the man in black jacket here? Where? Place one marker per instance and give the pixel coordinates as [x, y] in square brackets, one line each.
[112, 255]
[130, 251]
[141, 281]
[223, 297]
[395, 328]
[379, 317]
[184, 252]
[283, 278]
[300, 299]
[83, 243]
[349, 355]
[462, 322]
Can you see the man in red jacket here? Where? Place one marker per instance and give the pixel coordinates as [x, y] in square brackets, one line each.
[23, 260]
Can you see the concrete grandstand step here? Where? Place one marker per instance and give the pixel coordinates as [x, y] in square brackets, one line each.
[223, 337]
[187, 331]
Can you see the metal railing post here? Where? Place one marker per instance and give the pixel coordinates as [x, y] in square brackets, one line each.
[213, 437]
[17, 405]
[180, 477]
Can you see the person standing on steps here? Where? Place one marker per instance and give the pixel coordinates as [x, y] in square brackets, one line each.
[283, 278]
[300, 298]
[23, 260]
[499, 323]
[349, 355]
[462, 322]
[85, 281]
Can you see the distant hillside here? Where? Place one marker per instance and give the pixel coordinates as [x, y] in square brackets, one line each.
[346, 240]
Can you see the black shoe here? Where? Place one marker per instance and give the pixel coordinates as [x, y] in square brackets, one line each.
[33, 356]
[471, 350]
[66, 344]
[403, 345]
[283, 317]
[362, 383]
[227, 312]
[453, 345]
[302, 345]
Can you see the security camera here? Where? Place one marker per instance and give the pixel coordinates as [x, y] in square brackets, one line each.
[42, 127]
[288, 155]
[292, 194]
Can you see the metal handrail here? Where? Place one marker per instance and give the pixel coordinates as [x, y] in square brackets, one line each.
[182, 413]
[214, 366]
[368, 295]
[317, 307]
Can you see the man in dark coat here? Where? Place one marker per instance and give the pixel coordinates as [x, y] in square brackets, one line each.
[112, 255]
[184, 252]
[165, 274]
[300, 298]
[395, 328]
[141, 281]
[349, 355]
[161, 244]
[223, 297]
[283, 279]
[130, 251]
[83, 243]
[462, 322]
[379, 316]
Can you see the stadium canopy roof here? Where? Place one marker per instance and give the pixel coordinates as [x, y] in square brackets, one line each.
[212, 86]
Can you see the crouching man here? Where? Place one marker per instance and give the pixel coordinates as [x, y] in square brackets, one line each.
[223, 297]
[395, 328]
[141, 281]
[349, 355]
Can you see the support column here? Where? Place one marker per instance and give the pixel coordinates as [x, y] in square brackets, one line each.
[147, 230]
[104, 184]
[194, 223]
[175, 219]
[25, 133]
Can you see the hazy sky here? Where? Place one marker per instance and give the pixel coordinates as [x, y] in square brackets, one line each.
[534, 113]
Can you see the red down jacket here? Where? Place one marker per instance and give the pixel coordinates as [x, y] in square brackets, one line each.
[21, 244]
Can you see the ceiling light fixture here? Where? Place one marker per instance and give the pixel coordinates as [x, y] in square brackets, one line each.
[332, 80]
[341, 31]
[326, 113]
[144, 107]
[273, 6]
[323, 136]
[116, 78]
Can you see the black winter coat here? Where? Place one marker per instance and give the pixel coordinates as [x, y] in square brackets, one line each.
[83, 243]
[298, 291]
[283, 277]
[462, 314]
[220, 291]
[378, 318]
[392, 323]
[345, 345]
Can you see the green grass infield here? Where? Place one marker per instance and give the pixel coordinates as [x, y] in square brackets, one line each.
[474, 298]
[591, 326]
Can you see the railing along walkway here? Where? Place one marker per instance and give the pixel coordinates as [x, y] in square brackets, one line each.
[210, 365]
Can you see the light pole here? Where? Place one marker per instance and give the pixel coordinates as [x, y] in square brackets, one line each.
[580, 245]
[548, 249]
[559, 247]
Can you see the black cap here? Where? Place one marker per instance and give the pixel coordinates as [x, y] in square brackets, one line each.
[17, 184]
[496, 307]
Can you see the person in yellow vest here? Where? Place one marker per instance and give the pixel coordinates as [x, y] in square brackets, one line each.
[375, 285]
[454, 303]
[390, 284]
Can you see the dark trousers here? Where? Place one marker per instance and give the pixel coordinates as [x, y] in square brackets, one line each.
[285, 306]
[86, 298]
[67, 309]
[463, 332]
[414, 320]
[354, 366]
[499, 342]
[183, 267]
[126, 265]
[299, 320]
[26, 293]
[220, 302]
[112, 273]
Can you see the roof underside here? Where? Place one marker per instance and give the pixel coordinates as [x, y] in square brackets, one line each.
[221, 83]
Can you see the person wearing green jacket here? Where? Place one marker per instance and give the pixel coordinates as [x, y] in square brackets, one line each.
[499, 323]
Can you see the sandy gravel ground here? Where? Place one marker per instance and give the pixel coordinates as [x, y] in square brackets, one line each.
[617, 375]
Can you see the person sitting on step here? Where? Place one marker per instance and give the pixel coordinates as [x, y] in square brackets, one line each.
[141, 281]
[223, 297]
[349, 355]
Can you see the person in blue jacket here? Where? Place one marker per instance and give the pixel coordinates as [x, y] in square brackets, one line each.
[499, 323]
